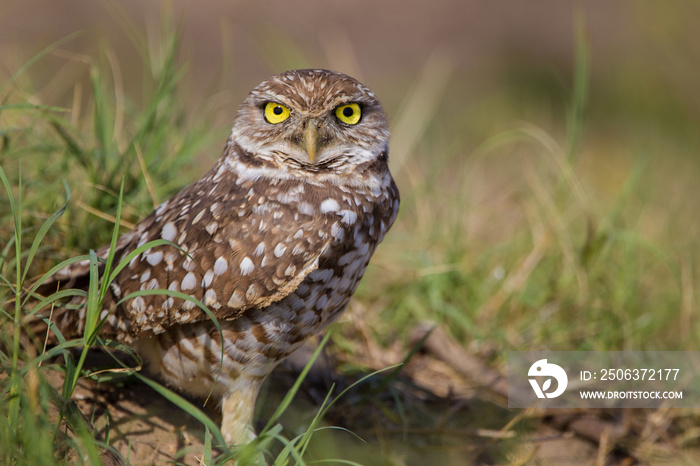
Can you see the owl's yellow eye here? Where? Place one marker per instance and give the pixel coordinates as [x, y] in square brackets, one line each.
[276, 113]
[349, 114]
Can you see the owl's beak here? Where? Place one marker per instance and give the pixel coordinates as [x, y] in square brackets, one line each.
[311, 138]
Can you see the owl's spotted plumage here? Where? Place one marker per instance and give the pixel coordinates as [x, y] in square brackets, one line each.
[276, 237]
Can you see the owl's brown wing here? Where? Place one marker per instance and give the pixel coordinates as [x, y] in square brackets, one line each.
[246, 245]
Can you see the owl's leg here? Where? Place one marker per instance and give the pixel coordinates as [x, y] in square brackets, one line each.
[237, 407]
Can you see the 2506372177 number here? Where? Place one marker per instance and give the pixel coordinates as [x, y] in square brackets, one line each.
[639, 374]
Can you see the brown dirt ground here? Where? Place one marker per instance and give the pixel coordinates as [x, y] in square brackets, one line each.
[441, 409]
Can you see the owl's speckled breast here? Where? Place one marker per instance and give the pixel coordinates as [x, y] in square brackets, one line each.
[261, 337]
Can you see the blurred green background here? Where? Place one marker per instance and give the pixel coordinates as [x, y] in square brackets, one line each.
[547, 152]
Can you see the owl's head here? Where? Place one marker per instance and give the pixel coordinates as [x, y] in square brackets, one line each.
[312, 120]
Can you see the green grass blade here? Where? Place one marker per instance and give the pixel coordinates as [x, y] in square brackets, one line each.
[91, 318]
[54, 351]
[342, 429]
[92, 310]
[397, 369]
[43, 108]
[287, 400]
[339, 461]
[125, 261]
[306, 437]
[56, 297]
[289, 449]
[16, 210]
[112, 245]
[101, 124]
[5, 252]
[70, 374]
[207, 446]
[359, 382]
[43, 230]
[579, 96]
[52, 271]
[36, 58]
[121, 347]
[325, 406]
[73, 147]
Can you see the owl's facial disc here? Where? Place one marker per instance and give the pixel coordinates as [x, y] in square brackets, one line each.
[312, 120]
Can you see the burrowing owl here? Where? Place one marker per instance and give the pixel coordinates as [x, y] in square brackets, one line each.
[276, 237]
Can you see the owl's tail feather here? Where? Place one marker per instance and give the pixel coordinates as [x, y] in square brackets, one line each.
[57, 318]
